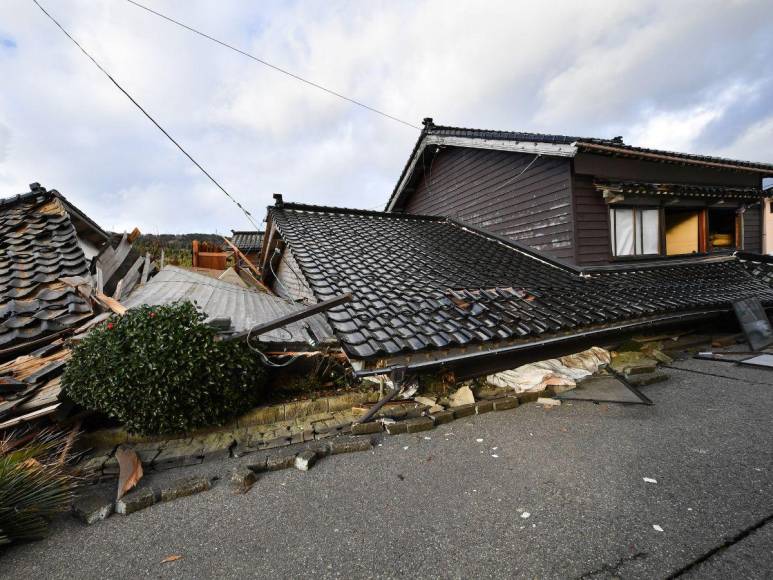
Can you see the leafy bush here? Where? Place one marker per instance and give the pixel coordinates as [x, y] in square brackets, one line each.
[34, 485]
[158, 369]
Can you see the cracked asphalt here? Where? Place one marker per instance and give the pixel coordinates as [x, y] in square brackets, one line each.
[527, 493]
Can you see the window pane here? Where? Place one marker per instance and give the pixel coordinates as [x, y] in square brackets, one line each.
[623, 232]
[649, 230]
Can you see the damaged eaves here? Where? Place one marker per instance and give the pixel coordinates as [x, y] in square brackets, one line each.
[243, 306]
[429, 291]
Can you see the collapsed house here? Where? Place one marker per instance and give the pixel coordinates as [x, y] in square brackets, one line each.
[585, 201]
[432, 292]
[44, 242]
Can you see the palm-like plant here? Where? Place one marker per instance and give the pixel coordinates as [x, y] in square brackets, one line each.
[35, 484]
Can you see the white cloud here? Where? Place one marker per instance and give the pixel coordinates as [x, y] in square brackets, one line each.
[656, 73]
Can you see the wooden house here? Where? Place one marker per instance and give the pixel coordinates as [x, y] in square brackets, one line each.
[585, 201]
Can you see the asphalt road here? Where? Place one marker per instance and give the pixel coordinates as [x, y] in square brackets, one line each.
[453, 502]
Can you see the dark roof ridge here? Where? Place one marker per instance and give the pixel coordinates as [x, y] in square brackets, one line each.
[541, 137]
[353, 211]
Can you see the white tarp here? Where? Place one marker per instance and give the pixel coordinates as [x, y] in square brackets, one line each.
[561, 372]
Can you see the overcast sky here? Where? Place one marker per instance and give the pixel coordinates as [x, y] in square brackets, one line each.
[687, 76]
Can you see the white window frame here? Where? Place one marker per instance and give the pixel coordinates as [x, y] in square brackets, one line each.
[638, 241]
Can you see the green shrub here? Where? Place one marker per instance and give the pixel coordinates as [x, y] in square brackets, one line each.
[159, 370]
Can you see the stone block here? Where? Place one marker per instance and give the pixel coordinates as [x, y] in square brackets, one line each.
[547, 402]
[419, 424]
[147, 452]
[484, 407]
[346, 401]
[281, 461]
[93, 507]
[464, 411]
[184, 487]
[134, 501]
[305, 459]
[640, 368]
[338, 445]
[442, 417]
[93, 466]
[242, 479]
[529, 397]
[396, 427]
[181, 455]
[426, 401]
[306, 408]
[110, 467]
[275, 442]
[301, 435]
[262, 416]
[505, 403]
[367, 428]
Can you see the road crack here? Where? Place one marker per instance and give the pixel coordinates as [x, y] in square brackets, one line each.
[722, 547]
[613, 569]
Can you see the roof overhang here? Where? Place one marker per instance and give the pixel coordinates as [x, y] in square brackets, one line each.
[763, 169]
[646, 188]
[529, 147]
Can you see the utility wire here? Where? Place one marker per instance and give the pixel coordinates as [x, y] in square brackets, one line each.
[274, 67]
[152, 120]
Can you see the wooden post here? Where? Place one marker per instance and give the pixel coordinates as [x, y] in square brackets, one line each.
[195, 260]
[146, 269]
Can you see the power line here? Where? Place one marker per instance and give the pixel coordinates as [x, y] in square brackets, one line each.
[275, 67]
[152, 120]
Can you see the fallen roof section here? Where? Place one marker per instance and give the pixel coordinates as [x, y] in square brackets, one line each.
[247, 241]
[219, 299]
[438, 287]
[38, 246]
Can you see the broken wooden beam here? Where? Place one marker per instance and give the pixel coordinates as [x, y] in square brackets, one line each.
[110, 303]
[259, 329]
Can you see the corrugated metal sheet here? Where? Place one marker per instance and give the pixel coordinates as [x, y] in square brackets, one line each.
[245, 307]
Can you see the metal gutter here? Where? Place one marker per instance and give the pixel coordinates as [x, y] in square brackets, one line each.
[540, 344]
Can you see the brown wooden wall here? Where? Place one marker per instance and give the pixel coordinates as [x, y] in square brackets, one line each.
[472, 185]
[752, 229]
[591, 215]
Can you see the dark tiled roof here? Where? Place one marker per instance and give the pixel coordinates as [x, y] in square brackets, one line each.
[423, 283]
[38, 245]
[689, 190]
[247, 241]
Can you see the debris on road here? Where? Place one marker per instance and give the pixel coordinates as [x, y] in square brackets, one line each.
[462, 396]
[548, 402]
[130, 470]
[172, 558]
[305, 460]
[657, 528]
[242, 479]
[557, 373]
[650, 480]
